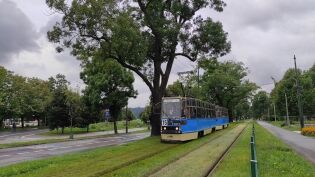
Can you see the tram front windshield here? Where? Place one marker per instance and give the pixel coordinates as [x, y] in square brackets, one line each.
[171, 108]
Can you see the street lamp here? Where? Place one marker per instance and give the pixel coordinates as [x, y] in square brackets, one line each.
[298, 94]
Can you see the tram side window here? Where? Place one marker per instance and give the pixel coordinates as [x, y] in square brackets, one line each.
[207, 112]
[199, 112]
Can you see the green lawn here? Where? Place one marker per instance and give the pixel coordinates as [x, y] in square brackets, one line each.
[236, 162]
[102, 126]
[134, 159]
[275, 159]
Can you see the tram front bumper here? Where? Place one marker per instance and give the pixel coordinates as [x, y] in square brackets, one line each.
[179, 137]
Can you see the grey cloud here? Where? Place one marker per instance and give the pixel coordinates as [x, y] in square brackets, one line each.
[266, 34]
[16, 31]
[266, 14]
[49, 25]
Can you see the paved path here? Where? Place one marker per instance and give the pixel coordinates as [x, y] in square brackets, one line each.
[301, 144]
[33, 135]
[20, 154]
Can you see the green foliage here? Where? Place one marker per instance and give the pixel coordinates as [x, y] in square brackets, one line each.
[58, 112]
[21, 97]
[145, 115]
[141, 36]
[175, 89]
[224, 84]
[130, 115]
[287, 85]
[260, 104]
[108, 85]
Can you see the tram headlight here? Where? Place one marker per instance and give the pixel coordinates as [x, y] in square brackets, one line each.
[164, 128]
[176, 128]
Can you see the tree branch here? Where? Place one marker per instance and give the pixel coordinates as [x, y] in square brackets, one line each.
[185, 55]
[134, 69]
[165, 76]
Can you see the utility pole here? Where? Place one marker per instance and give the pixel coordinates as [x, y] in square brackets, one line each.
[274, 111]
[286, 105]
[274, 104]
[298, 92]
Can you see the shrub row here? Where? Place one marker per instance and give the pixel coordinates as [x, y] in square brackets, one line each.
[308, 131]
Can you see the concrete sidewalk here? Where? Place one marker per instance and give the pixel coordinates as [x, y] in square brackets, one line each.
[303, 145]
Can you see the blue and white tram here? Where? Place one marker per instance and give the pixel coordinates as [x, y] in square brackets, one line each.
[185, 118]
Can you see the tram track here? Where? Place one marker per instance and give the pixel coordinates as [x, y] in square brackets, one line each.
[217, 136]
[178, 167]
[107, 172]
[221, 157]
[178, 158]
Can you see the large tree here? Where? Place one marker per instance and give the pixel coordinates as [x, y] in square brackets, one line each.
[38, 97]
[58, 112]
[5, 94]
[287, 85]
[145, 36]
[225, 84]
[308, 80]
[108, 86]
[260, 104]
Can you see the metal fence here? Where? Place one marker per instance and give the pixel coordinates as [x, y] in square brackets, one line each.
[253, 161]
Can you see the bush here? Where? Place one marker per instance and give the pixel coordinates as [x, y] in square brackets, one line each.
[308, 131]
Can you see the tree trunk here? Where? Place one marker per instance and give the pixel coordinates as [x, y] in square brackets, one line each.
[62, 130]
[155, 117]
[38, 122]
[115, 127]
[22, 121]
[87, 128]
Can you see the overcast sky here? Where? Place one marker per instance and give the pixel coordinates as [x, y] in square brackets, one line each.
[264, 34]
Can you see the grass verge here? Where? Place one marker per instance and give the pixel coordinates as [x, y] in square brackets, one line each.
[237, 159]
[274, 158]
[134, 159]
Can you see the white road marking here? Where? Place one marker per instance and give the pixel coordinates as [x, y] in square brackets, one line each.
[4, 156]
[21, 153]
[38, 151]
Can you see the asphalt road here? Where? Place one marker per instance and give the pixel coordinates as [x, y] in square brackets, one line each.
[20, 154]
[33, 135]
[303, 145]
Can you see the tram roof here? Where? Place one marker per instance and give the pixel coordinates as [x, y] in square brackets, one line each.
[180, 97]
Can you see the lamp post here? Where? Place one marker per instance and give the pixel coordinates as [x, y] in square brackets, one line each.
[286, 105]
[298, 95]
[274, 104]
